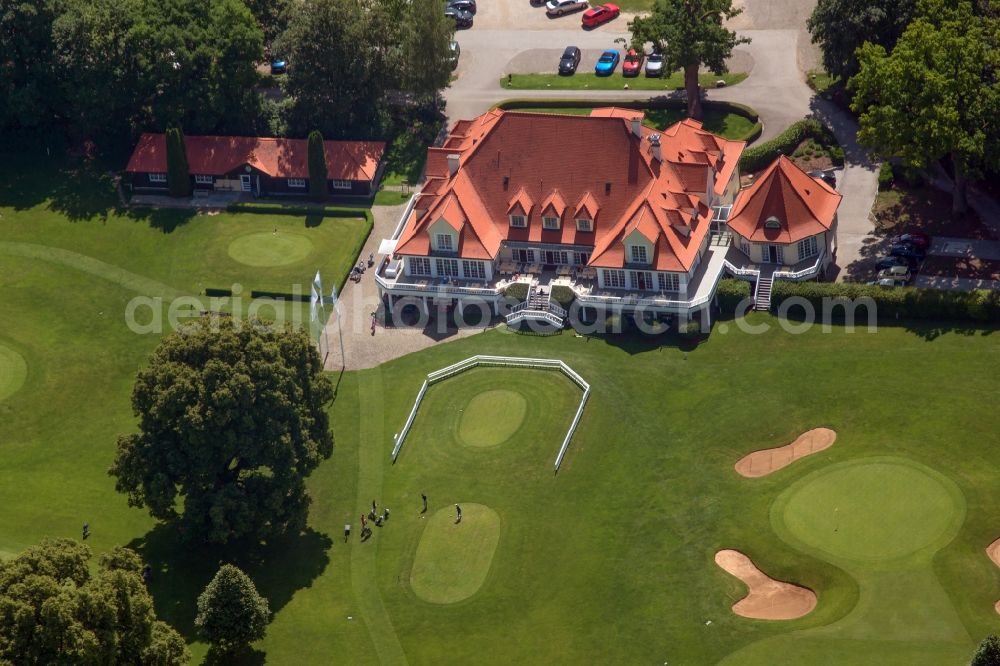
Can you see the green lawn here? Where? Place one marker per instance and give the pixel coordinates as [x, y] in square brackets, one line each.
[608, 561]
[590, 81]
[728, 125]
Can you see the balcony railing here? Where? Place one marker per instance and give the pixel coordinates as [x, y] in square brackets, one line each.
[433, 286]
[805, 273]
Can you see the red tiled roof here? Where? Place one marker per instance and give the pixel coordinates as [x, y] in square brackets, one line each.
[804, 206]
[512, 160]
[278, 158]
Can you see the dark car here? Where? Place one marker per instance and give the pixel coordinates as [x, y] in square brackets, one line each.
[907, 250]
[889, 262]
[569, 61]
[279, 66]
[464, 5]
[826, 176]
[462, 18]
[914, 238]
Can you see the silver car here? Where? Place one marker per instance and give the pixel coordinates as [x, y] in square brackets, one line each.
[560, 7]
[654, 65]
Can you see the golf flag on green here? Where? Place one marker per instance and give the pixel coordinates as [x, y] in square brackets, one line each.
[316, 297]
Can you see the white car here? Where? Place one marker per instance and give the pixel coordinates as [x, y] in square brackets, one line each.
[560, 7]
[654, 65]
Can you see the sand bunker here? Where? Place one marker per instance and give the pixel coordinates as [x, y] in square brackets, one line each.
[765, 461]
[993, 550]
[768, 599]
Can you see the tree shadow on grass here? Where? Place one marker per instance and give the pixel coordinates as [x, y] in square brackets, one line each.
[181, 570]
[164, 219]
[248, 657]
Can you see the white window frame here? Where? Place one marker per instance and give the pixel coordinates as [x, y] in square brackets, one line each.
[341, 184]
[420, 266]
[447, 267]
[157, 177]
[201, 179]
[474, 270]
[530, 254]
[668, 281]
[808, 248]
[299, 183]
[581, 258]
[584, 224]
[549, 222]
[445, 242]
[614, 278]
[634, 279]
[518, 221]
[745, 246]
[635, 252]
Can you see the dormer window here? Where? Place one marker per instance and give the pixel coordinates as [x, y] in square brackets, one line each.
[445, 243]
[550, 222]
[639, 255]
[518, 221]
[772, 223]
[584, 224]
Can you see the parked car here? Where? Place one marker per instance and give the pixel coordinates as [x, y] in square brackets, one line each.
[895, 273]
[826, 176]
[887, 282]
[607, 63]
[560, 7]
[907, 250]
[569, 61]
[889, 262]
[279, 66]
[464, 5]
[632, 64]
[462, 18]
[537, 3]
[456, 51]
[915, 238]
[595, 16]
[654, 65]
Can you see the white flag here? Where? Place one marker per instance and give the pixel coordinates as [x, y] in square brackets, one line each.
[315, 297]
[333, 299]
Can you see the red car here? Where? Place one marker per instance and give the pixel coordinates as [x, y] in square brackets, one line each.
[595, 16]
[915, 238]
[633, 63]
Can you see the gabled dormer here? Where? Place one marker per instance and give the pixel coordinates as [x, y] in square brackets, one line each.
[552, 209]
[444, 235]
[519, 209]
[585, 214]
[638, 248]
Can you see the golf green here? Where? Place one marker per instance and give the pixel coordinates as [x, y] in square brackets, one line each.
[492, 417]
[870, 509]
[13, 372]
[270, 249]
[453, 558]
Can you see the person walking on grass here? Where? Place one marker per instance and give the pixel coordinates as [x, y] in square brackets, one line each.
[423, 496]
[458, 514]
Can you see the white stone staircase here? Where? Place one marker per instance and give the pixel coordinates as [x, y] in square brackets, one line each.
[762, 297]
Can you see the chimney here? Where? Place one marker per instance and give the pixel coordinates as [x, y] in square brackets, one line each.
[506, 183]
[637, 127]
[607, 188]
[654, 144]
[453, 164]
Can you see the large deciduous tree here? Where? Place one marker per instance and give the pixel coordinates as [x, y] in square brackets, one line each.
[690, 34]
[54, 611]
[28, 82]
[271, 15]
[840, 27]
[988, 652]
[936, 94]
[231, 420]
[426, 49]
[231, 613]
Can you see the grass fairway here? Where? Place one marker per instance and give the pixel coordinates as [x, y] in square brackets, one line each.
[608, 561]
[13, 371]
[453, 558]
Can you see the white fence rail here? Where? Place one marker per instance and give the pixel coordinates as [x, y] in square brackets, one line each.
[808, 272]
[503, 362]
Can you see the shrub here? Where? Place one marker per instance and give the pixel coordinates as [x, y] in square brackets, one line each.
[563, 296]
[517, 291]
[730, 293]
[885, 177]
[837, 155]
[896, 302]
[758, 157]
[912, 176]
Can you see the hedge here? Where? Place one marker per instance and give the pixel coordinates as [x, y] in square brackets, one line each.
[563, 296]
[731, 293]
[894, 302]
[298, 209]
[639, 105]
[758, 157]
[517, 291]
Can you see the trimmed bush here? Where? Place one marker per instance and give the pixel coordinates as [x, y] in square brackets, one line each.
[894, 302]
[563, 296]
[212, 291]
[885, 176]
[317, 166]
[517, 291]
[730, 293]
[178, 174]
[298, 210]
[758, 157]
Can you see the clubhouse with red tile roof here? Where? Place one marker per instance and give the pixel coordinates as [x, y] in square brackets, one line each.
[260, 166]
[624, 215]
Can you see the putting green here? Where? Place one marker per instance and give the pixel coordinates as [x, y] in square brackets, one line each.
[871, 509]
[271, 249]
[492, 417]
[453, 559]
[13, 372]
